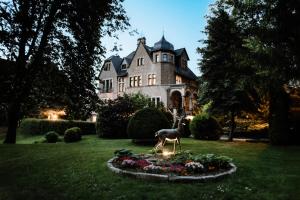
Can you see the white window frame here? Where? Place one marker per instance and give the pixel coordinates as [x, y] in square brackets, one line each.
[121, 84]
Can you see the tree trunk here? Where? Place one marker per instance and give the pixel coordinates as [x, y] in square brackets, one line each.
[232, 125]
[278, 116]
[13, 117]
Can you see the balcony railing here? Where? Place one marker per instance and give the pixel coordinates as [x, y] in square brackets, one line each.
[106, 90]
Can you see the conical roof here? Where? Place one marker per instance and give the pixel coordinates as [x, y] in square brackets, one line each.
[163, 44]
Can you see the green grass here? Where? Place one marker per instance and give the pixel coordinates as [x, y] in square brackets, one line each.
[78, 171]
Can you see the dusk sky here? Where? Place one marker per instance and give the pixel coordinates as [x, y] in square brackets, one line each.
[181, 21]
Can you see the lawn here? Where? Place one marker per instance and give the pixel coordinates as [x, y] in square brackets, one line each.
[78, 171]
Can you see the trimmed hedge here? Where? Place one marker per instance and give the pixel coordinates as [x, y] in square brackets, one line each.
[33, 126]
[72, 135]
[205, 127]
[144, 123]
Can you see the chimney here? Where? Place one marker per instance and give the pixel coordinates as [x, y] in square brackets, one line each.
[141, 40]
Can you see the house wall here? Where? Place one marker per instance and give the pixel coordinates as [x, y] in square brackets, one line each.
[111, 74]
[148, 68]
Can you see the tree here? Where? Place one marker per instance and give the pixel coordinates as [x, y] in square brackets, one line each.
[36, 32]
[224, 74]
[273, 38]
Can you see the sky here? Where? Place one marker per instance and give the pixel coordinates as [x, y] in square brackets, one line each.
[181, 22]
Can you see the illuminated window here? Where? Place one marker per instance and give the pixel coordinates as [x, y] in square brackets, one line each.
[178, 79]
[151, 79]
[135, 81]
[131, 82]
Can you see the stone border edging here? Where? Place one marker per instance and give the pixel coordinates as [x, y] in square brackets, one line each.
[170, 178]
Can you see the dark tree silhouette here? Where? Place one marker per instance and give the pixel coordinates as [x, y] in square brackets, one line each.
[224, 79]
[64, 32]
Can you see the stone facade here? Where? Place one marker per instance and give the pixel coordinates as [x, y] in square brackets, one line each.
[159, 72]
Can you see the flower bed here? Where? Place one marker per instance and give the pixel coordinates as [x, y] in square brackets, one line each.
[182, 166]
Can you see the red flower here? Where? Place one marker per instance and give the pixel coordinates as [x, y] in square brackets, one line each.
[124, 158]
[142, 163]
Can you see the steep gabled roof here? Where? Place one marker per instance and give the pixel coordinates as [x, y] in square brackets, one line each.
[179, 52]
[116, 62]
[187, 73]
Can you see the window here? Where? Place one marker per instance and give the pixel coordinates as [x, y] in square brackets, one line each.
[140, 61]
[165, 57]
[155, 100]
[139, 81]
[151, 79]
[131, 82]
[157, 58]
[123, 67]
[121, 84]
[171, 58]
[178, 79]
[107, 86]
[135, 81]
[107, 67]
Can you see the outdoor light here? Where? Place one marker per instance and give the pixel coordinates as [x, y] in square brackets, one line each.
[189, 117]
[54, 114]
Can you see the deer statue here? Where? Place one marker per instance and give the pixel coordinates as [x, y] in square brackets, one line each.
[172, 135]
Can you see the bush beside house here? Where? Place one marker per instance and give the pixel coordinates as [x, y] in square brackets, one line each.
[114, 115]
[143, 125]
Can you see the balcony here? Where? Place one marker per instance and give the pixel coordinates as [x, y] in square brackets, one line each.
[106, 90]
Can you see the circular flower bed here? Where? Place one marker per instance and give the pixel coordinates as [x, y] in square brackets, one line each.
[183, 166]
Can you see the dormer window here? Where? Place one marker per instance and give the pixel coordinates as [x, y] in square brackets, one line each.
[123, 67]
[106, 66]
[165, 57]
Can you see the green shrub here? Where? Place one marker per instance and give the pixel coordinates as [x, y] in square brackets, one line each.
[31, 126]
[144, 123]
[51, 137]
[72, 134]
[113, 116]
[205, 127]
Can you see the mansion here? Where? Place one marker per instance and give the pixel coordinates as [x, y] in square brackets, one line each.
[160, 72]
